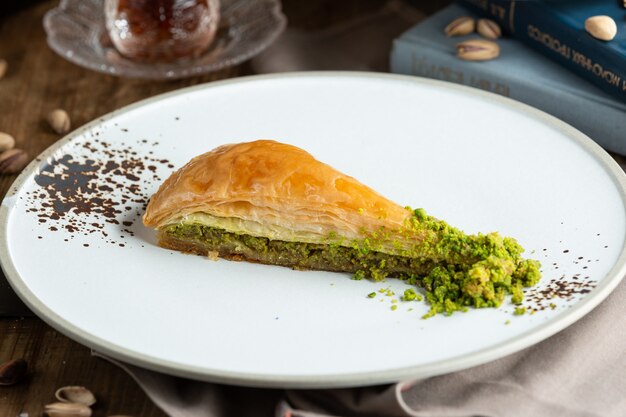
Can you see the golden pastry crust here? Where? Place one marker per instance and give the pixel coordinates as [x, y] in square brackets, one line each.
[275, 186]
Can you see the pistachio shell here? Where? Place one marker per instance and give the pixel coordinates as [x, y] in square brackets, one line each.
[601, 27]
[75, 394]
[67, 410]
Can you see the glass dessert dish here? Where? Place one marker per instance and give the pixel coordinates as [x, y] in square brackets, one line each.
[161, 30]
[77, 31]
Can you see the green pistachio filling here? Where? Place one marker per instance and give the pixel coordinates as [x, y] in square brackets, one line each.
[300, 255]
[455, 270]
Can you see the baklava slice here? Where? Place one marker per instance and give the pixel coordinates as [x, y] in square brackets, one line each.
[273, 203]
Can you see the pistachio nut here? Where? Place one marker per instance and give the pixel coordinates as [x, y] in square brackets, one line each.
[6, 142]
[601, 27]
[3, 67]
[59, 120]
[13, 161]
[477, 50]
[13, 371]
[489, 29]
[460, 26]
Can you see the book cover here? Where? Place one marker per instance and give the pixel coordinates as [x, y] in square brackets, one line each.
[556, 28]
[519, 73]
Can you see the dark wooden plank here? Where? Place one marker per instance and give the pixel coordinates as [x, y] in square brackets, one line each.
[56, 361]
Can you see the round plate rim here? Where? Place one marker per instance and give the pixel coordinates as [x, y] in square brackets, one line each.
[543, 331]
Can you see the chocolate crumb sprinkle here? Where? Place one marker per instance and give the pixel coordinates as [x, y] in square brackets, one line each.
[540, 298]
[97, 185]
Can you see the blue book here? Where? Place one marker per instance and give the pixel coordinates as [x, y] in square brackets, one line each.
[519, 73]
[556, 28]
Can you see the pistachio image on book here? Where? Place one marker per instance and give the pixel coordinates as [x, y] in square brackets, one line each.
[274, 203]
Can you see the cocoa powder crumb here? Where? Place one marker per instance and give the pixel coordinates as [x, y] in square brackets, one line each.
[96, 185]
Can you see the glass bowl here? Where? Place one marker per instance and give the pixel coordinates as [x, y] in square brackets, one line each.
[76, 31]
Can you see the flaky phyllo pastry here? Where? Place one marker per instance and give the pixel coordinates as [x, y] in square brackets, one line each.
[273, 203]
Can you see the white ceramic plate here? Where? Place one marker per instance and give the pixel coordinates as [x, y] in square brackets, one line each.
[74, 249]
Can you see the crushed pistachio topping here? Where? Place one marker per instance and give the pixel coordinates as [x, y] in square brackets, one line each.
[455, 270]
[409, 295]
[467, 270]
[519, 311]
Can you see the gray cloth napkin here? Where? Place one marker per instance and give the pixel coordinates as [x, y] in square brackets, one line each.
[579, 372]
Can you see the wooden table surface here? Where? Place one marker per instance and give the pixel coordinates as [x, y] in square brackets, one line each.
[39, 81]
